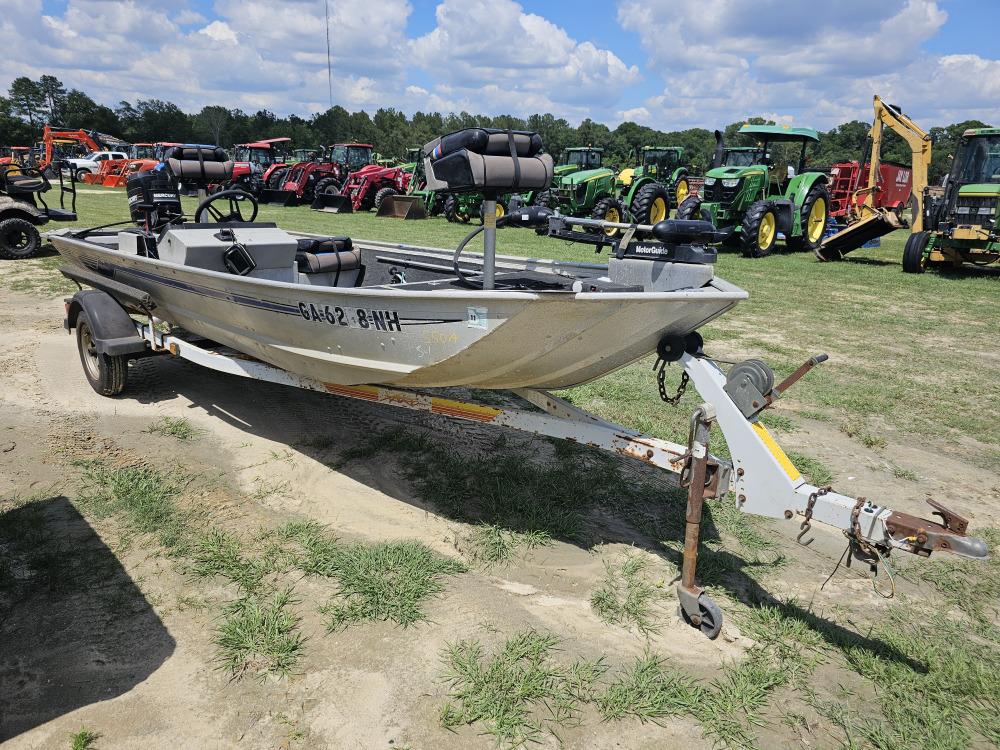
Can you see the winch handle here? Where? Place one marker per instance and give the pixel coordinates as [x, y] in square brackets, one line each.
[788, 382]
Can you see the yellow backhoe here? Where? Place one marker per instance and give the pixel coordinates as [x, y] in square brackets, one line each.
[865, 221]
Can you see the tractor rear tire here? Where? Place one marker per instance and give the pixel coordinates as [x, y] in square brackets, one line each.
[608, 209]
[651, 204]
[913, 252]
[690, 208]
[681, 190]
[502, 211]
[277, 178]
[812, 233]
[759, 232]
[19, 239]
[382, 194]
[451, 211]
[328, 186]
[543, 199]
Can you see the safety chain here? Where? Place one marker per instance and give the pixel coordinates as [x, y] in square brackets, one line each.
[806, 526]
[661, 383]
[855, 534]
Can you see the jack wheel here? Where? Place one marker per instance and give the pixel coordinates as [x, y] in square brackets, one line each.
[709, 617]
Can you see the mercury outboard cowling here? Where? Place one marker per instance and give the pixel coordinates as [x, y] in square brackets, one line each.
[153, 199]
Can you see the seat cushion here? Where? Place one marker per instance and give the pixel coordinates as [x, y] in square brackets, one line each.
[190, 170]
[328, 262]
[479, 158]
[324, 244]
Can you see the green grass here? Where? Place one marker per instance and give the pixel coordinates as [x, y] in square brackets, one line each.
[626, 596]
[375, 582]
[812, 468]
[142, 497]
[518, 694]
[259, 637]
[85, 739]
[491, 544]
[180, 428]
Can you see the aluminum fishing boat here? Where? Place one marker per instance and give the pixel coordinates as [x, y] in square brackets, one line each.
[355, 311]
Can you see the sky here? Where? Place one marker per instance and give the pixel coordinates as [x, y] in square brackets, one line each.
[669, 64]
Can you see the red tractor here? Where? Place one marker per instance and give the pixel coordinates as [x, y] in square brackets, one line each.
[253, 164]
[364, 190]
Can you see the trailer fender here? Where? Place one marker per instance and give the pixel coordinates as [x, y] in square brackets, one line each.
[112, 327]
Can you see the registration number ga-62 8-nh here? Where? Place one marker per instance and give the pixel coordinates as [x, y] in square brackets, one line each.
[351, 317]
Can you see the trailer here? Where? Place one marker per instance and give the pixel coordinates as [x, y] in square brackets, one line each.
[894, 184]
[115, 322]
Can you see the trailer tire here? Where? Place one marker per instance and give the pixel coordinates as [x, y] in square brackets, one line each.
[811, 239]
[107, 374]
[19, 239]
[913, 252]
[690, 208]
[759, 231]
[651, 204]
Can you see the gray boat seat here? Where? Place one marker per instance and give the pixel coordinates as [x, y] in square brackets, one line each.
[198, 164]
[327, 255]
[478, 159]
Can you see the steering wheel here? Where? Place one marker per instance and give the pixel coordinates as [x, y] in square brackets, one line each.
[235, 197]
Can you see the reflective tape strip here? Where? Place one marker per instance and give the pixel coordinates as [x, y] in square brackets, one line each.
[775, 449]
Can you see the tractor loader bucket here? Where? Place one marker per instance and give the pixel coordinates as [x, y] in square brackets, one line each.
[403, 207]
[853, 236]
[334, 204]
[115, 181]
[278, 197]
[91, 178]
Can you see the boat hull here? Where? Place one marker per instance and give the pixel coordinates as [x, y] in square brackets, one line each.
[393, 336]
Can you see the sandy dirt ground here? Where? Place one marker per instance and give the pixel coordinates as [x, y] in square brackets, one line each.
[131, 655]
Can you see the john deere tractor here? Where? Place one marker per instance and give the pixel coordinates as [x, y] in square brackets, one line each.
[755, 202]
[585, 193]
[963, 224]
[655, 184]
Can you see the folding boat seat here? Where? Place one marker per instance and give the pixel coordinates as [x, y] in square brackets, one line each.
[487, 160]
[327, 255]
[199, 165]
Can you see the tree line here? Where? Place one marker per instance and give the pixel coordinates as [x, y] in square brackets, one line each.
[29, 104]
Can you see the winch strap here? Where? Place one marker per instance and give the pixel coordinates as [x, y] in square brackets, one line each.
[513, 155]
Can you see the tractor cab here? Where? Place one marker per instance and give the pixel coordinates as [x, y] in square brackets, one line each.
[577, 158]
[963, 222]
[767, 192]
[659, 160]
[740, 156]
[305, 154]
[142, 151]
[353, 156]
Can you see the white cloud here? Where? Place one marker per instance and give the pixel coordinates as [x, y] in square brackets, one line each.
[220, 32]
[815, 64]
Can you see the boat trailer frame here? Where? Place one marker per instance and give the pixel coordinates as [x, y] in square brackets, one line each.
[764, 480]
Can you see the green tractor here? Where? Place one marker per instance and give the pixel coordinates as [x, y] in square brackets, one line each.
[963, 224]
[417, 186]
[571, 160]
[756, 201]
[587, 192]
[463, 207]
[657, 183]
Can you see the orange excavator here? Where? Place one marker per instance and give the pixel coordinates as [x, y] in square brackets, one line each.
[61, 143]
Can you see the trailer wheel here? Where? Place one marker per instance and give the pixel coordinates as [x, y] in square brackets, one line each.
[759, 231]
[690, 208]
[709, 617]
[107, 374]
[813, 217]
[913, 252]
[19, 239]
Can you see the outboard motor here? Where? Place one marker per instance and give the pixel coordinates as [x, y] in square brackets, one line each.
[153, 200]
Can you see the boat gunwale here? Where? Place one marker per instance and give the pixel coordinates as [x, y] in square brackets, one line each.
[717, 288]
